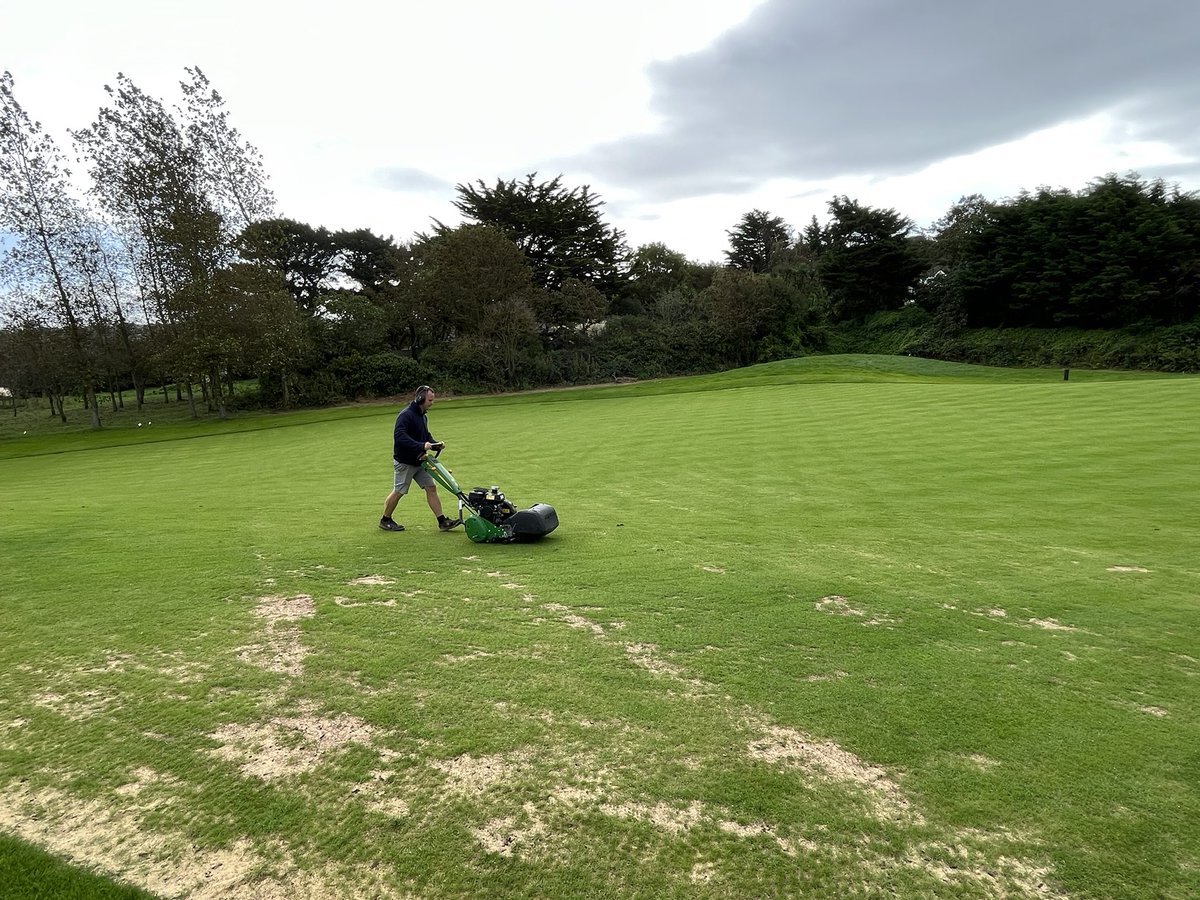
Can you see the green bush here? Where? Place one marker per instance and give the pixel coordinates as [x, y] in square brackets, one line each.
[377, 374]
[913, 332]
[645, 347]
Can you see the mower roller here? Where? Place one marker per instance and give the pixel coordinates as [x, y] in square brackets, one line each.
[492, 519]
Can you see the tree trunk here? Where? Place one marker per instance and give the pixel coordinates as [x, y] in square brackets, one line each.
[214, 378]
[191, 399]
[90, 395]
[287, 402]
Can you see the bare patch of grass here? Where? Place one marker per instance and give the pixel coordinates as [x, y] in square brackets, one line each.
[471, 776]
[982, 762]
[665, 816]
[112, 840]
[1052, 625]
[836, 605]
[287, 745]
[285, 609]
[281, 650]
[825, 759]
[76, 705]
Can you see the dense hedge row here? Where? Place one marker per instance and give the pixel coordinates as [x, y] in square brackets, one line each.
[915, 333]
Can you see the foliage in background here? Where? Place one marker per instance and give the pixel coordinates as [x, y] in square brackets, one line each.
[173, 273]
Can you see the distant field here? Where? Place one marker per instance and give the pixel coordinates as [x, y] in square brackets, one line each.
[832, 627]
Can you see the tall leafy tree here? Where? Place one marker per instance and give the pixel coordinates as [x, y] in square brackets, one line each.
[964, 220]
[656, 270]
[1115, 254]
[867, 262]
[462, 272]
[38, 207]
[306, 257]
[507, 341]
[570, 310]
[150, 180]
[381, 273]
[103, 282]
[231, 168]
[749, 309]
[560, 230]
[270, 333]
[375, 263]
[757, 242]
[35, 356]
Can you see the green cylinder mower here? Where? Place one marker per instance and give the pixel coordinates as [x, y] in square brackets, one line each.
[491, 518]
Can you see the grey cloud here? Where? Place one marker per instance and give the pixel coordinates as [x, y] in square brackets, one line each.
[822, 88]
[401, 178]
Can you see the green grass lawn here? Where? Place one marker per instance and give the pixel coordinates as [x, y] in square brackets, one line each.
[833, 627]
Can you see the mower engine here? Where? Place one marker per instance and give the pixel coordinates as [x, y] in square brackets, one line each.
[490, 504]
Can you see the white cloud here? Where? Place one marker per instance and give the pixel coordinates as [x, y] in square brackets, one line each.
[683, 115]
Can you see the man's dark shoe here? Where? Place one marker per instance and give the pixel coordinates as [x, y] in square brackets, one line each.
[388, 525]
[447, 524]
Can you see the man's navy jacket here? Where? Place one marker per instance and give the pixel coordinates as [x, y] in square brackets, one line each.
[412, 431]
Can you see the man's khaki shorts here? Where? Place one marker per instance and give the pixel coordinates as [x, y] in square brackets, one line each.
[406, 475]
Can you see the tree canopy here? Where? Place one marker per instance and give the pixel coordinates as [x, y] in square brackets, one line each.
[173, 267]
[757, 241]
[560, 230]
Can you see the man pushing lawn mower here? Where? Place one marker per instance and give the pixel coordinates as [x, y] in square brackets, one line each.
[411, 440]
[493, 519]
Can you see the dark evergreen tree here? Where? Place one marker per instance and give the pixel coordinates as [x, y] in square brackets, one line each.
[305, 256]
[560, 230]
[867, 262]
[757, 242]
[1115, 254]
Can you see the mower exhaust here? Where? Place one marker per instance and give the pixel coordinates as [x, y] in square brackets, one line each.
[492, 518]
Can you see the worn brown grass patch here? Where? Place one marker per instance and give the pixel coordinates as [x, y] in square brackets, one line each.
[287, 745]
[827, 760]
[474, 775]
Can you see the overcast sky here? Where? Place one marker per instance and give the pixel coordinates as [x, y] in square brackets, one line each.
[681, 114]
